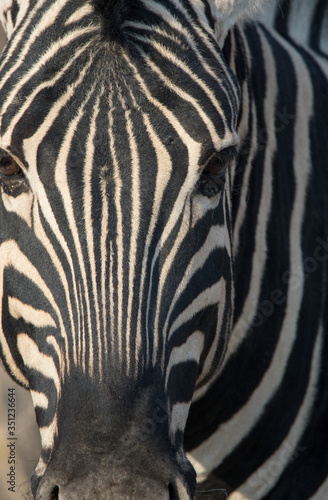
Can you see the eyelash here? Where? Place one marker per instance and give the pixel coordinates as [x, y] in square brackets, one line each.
[211, 180]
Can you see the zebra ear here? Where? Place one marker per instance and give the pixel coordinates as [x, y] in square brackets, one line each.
[8, 14]
[226, 13]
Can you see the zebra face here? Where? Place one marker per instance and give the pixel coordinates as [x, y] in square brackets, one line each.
[117, 144]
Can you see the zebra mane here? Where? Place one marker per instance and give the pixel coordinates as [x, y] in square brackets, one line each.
[114, 13]
[225, 13]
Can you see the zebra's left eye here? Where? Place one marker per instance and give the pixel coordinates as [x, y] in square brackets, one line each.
[212, 179]
[8, 166]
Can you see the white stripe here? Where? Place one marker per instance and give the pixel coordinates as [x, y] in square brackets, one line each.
[28, 100]
[164, 171]
[178, 418]
[48, 246]
[165, 271]
[48, 434]
[44, 365]
[205, 39]
[79, 14]
[243, 130]
[300, 20]
[324, 37]
[118, 184]
[20, 37]
[111, 295]
[189, 351]
[88, 171]
[62, 184]
[53, 49]
[35, 317]
[21, 205]
[263, 480]
[226, 438]
[215, 239]
[322, 492]
[202, 61]
[31, 148]
[260, 253]
[206, 298]
[134, 232]
[11, 255]
[176, 62]
[40, 400]
[104, 257]
[230, 137]
[213, 352]
[37, 360]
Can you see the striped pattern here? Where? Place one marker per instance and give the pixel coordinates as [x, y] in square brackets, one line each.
[122, 283]
[259, 439]
[108, 230]
[304, 22]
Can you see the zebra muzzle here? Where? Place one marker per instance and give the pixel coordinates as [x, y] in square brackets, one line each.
[86, 488]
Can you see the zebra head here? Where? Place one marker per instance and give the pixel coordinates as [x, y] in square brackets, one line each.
[118, 138]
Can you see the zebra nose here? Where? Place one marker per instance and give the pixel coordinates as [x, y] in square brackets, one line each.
[85, 490]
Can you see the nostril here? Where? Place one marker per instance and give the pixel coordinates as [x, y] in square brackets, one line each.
[54, 495]
[173, 494]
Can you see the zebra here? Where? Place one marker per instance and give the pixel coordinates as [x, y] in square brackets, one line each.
[304, 22]
[163, 247]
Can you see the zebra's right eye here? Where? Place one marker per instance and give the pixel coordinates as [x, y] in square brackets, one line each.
[212, 179]
[8, 166]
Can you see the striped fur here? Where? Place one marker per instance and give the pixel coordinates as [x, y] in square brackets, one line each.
[263, 435]
[126, 291]
[304, 22]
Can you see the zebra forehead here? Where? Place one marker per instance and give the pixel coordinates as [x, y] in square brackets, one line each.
[164, 79]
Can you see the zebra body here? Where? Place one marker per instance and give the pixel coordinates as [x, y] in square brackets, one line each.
[163, 240]
[280, 274]
[306, 23]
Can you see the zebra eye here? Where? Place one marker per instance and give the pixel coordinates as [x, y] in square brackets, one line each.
[212, 179]
[8, 166]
